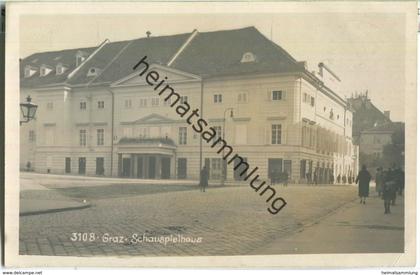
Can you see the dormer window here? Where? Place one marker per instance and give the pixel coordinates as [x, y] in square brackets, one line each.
[29, 71]
[60, 69]
[44, 70]
[248, 57]
[80, 57]
[93, 72]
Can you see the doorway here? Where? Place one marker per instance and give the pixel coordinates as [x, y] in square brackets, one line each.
[100, 170]
[152, 167]
[182, 168]
[68, 165]
[240, 169]
[126, 167]
[275, 169]
[82, 166]
[166, 168]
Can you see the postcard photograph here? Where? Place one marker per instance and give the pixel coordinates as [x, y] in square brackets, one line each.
[150, 133]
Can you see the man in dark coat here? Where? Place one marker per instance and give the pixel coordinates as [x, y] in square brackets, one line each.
[389, 190]
[363, 179]
[204, 179]
[379, 179]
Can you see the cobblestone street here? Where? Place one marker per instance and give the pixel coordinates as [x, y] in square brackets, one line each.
[230, 221]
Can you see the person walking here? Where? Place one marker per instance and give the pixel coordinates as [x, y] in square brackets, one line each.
[204, 179]
[363, 179]
[399, 178]
[389, 190]
[379, 180]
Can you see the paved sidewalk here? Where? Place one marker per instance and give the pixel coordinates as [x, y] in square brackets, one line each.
[36, 199]
[36, 207]
[58, 181]
[354, 228]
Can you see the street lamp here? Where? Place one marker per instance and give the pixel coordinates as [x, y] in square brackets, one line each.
[223, 152]
[28, 110]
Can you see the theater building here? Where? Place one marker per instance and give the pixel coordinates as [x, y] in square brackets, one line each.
[96, 116]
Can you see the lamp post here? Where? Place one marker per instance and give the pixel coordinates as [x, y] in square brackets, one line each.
[223, 152]
[28, 110]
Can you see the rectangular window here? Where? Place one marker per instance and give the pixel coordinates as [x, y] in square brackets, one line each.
[31, 136]
[184, 99]
[83, 105]
[155, 101]
[216, 171]
[312, 101]
[277, 95]
[100, 136]
[182, 135]
[218, 130]
[276, 134]
[217, 98]
[127, 103]
[101, 104]
[242, 98]
[143, 102]
[50, 106]
[82, 137]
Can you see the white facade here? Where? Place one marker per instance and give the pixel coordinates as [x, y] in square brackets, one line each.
[280, 120]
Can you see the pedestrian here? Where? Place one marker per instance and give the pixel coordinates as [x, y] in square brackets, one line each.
[204, 179]
[394, 178]
[339, 178]
[331, 177]
[388, 190]
[379, 180]
[363, 179]
[285, 178]
[399, 178]
[308, 178]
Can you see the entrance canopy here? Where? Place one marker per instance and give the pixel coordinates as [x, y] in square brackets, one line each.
[159, 146]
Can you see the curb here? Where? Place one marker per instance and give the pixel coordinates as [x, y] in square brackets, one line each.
[47, 211]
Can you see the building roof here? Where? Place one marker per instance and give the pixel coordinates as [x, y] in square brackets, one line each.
[365, 115]
[206, 54]
[220, 53]
[158, 50]
[51, 59]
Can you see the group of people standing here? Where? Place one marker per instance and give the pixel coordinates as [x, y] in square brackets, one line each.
[388, 184]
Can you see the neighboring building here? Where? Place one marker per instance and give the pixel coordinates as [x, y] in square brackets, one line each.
[96, 116]
[374, 139]
[366, 115]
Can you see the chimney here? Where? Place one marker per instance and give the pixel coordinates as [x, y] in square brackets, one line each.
[321, 67]
[387, 114]
[148, 33]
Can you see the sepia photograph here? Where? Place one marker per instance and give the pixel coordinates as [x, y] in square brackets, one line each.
[172, 133]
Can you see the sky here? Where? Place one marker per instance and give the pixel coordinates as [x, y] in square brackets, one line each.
[367, 51]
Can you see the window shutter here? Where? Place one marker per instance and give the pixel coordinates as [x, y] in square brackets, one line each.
[283, 95]
[269, 95]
